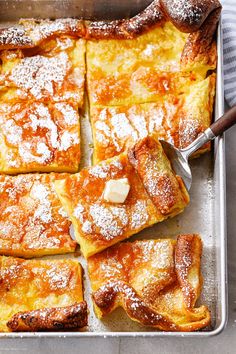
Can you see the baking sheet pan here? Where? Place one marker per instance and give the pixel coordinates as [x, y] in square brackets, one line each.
[205, 215]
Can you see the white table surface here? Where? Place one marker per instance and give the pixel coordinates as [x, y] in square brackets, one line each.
[225, 343]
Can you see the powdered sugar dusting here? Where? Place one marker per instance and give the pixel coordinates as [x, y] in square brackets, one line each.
[105, 219]
[139, 122]
[14, 36]
[100, 125]
[182, 10]
[41, 118]
[188, 131]
[39, 74]
[122, 127]
[62, 212]
[159, 253]
[132, 303]
[43, 211]
[139, 214]
[155, 120]
[32, 215]
[64, 43]
[99, 171]
[152, 181]
[148, 51]
[78, 212]
[11, 160]
[46, 28]
[121, 214]
[25, 152]
[12, 132]
[87, 227]
[69, 114]
[104, 169]
[68, 140]
[46, 132]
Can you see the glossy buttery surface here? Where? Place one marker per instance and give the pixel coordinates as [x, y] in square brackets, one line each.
[41, 89]
[157, 282]
[33, 222]
[37, 284]
[142, 86]
[156, 193]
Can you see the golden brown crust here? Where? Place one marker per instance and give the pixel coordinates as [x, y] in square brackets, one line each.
[161, 185]
[39, 294]
[120, 90]
[99, 224]
[40, 226]
[157, 282]
[58, 318]
[200, 42]
[30, 32]
[14, 37]
[187, 15]
[199, 18]
[178, 120]
[187, 256]
[196, 17]
[133, 304]
[51, 129]
[126, 29]
[41, 90]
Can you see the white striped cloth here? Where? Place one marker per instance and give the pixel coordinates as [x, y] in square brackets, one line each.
[229, 49]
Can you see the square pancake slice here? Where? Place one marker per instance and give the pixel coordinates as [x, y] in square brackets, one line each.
[155, 194]
[157, 282]
[33, 222]
[51, 69]
[178, 120]
[41, 295]
[41, 90]
[39, 137]
[140, 70]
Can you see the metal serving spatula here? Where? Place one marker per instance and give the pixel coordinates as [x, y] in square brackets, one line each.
[179, 157]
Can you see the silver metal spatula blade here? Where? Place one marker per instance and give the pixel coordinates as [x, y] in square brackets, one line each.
[179, 162]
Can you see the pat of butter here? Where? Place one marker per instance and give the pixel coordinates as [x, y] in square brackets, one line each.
[116, 190]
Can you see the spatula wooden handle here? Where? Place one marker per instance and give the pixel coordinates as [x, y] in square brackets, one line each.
[225, 122]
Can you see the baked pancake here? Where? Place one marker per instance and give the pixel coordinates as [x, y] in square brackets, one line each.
[178, 120]
[52, 68]
[145, 65]
[195, 17]
[157, 282]
[140, 70]
[33, 222]
[120, 72]
[157, 56]
[41, 295]
[41, 89]
[155, 193]
[53, 72]
[31, 33]
[35, 136]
